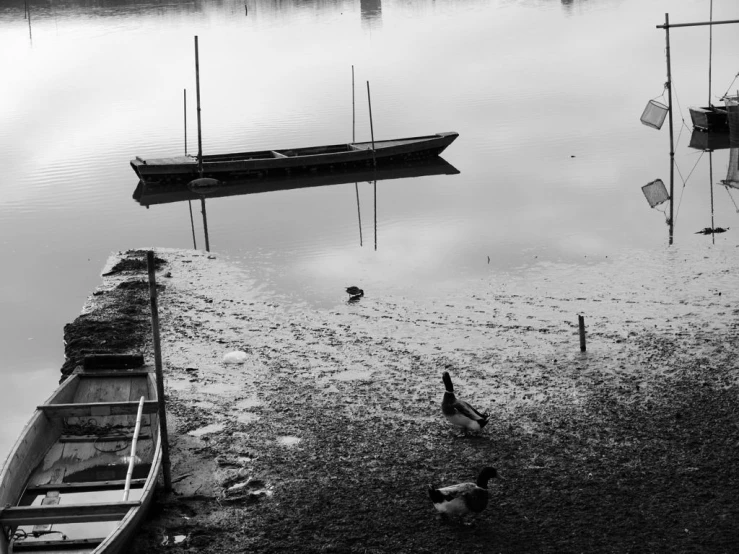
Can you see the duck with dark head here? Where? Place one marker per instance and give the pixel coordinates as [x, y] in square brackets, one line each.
[458, 412]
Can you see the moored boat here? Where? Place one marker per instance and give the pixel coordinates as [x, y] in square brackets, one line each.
[72, 482]
[294, 160]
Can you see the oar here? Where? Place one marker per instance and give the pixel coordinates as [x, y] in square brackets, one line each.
[132, 461]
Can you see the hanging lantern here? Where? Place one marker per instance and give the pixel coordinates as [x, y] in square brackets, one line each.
[655, 192]
[654, 114]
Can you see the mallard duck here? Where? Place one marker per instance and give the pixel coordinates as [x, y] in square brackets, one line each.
[354, 291]
[458, 412]
[459, 500]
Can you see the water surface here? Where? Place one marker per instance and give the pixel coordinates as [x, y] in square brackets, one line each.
[546, 96]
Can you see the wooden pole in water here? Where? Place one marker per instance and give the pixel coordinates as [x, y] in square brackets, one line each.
[192, 226]
[166, 466]
[354, 117]
[205, 224]
[372, 131]
[672, 147]
[710, 184]
[375, 214]
[581, 325]
[132, 457]
[184, 91]
[359, 213]
[197, 93]
[710, 54]
[189, 202]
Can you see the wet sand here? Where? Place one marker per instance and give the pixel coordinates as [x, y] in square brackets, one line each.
[325, 438]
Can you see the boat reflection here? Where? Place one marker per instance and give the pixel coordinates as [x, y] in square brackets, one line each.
[708, 141]
[150, 194]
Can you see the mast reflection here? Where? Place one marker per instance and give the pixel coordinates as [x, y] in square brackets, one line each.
[150, 194]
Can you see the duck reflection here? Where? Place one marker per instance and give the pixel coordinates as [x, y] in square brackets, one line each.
[148, 194]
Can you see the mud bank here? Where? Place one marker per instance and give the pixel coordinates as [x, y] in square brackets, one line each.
[325, 438]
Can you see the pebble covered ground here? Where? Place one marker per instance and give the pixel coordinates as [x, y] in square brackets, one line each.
[325, 437]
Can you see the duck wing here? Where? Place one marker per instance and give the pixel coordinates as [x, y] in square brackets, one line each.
[447, 494]
[468, 411]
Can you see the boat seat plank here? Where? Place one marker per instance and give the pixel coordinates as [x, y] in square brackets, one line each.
[86, 486]
[60, 513]
[68, 546]
[93, 409]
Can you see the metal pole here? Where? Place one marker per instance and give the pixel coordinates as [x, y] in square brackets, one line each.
[197, 91]
[672, 148]
[159, 373]
[185, 110]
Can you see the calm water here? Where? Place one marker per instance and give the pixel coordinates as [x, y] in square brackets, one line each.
[546, 96]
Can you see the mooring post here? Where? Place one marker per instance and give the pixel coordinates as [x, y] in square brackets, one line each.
[166, 466]
[581, 325]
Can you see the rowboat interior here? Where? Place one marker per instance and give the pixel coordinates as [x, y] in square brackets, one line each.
[69, 482]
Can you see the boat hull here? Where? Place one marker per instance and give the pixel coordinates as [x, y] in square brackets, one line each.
[292, 161]
[78, 468]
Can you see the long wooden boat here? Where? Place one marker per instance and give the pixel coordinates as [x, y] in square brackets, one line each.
[70, 483]
[270, 162]
[179, 191]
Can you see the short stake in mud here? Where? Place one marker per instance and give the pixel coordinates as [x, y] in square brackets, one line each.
[160, 375]
[581, 325]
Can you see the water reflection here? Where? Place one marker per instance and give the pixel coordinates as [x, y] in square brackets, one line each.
[371, 12]
[149, 194]
[707, 142]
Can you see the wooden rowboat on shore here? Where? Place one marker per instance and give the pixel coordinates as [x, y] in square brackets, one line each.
[83, 471]
[293, 160]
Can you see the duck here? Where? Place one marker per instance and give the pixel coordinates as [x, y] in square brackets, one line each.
[459, 500]
[354, 291]
[458, 412]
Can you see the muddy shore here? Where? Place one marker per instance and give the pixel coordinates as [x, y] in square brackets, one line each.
[325, 437]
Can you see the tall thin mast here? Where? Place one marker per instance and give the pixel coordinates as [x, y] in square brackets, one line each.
[197, 89]
[710, 54]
